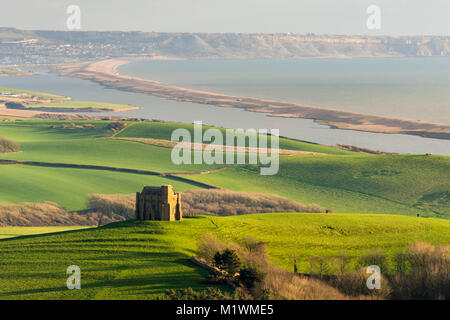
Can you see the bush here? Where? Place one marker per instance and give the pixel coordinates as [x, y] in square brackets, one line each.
[208, 245]
[374, 257]
[190, 294]
[7, 146]
[355, 284]
[116, 126]
[287, 285]
[228, 203]
[205, 202]
[42, 214]
[227, 261]
[250, 276]
[428, 274]
[121, 206]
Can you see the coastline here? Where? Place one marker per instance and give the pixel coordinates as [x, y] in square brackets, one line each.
[105, 73]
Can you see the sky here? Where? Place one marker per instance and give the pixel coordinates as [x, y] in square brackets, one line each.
[398, 17]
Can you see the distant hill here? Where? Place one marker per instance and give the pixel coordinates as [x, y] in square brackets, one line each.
[66, 46]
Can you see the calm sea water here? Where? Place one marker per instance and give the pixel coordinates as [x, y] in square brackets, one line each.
[163, 109]
[412, 88]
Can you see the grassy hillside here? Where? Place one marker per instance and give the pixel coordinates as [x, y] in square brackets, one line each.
[48, 142]
[393, 184]
[163, 130]
[339, 180]
[140, 260]
[12, 232]
[69, 187]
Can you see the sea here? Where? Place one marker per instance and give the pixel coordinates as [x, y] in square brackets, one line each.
[410, 88]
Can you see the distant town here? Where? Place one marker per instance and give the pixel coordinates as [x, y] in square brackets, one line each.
[21, 47]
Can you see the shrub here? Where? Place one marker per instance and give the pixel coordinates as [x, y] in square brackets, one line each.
[7, 146]
[319, 266]
[355, 284]
[208, 245]
[428, 276]
[205, 202]
[250, 276]
[287, 285]
[42, 214]
[374, 257]
[228, 261]
[258, 279]
[226, 203]
[116, 126]
[190, 294]
[121, 206]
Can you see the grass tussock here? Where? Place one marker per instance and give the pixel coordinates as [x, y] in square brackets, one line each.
[7, 146]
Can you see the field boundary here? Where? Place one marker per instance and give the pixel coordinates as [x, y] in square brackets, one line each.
[171, 175]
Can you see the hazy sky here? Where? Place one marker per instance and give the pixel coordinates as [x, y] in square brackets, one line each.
[398, 17]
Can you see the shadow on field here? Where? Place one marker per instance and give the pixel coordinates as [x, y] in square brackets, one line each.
[150, 284]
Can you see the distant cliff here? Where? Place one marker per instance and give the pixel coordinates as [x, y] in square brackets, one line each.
[18, 46]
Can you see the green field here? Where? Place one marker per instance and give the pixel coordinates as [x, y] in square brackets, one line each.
[341, 181]
[41, 141]
[163, 130]
[394, 184]
[70, 187]
[12, 232]
[372, 195]
[140, 260]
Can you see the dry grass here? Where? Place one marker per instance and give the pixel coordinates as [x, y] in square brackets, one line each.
[28, 214]
[107, 208]
[423, 273]
[228, 203]
[42, 214]
[288, 285]
[205, 202]
[113, 205]
[7, 146]
[420, 272]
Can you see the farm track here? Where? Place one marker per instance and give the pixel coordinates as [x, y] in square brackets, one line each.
[169, 175]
